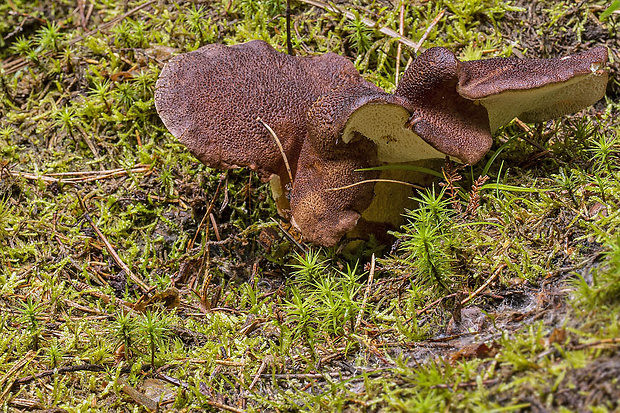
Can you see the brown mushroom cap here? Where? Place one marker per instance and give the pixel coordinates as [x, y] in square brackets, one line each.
[453, 125]
[327, 162]
[535, 90]
[426, 118]
[210, 100]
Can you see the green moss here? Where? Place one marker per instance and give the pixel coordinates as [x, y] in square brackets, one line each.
[251, 304]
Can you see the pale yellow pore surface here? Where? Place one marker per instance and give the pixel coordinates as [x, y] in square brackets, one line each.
[548, 102]
[384, 124]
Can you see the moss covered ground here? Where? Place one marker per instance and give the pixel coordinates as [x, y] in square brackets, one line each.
[134, 278]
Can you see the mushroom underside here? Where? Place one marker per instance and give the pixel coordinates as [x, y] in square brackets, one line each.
[544, 103]
[386, 126]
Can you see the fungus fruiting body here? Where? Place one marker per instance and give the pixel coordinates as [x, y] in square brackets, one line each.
[315, 119]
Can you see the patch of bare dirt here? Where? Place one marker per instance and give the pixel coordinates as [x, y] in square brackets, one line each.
[596, 384]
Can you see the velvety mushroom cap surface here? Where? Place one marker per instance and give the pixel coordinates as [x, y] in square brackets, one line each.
[210, 100]
[322, 214]
[448, 122]
[534, 90]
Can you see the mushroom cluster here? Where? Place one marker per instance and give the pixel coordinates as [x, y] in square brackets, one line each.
[313, 124]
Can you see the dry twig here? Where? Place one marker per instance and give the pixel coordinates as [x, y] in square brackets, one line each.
[371, 276]
[267, 361]
[372, 181]
[598, 344]
[190, 245]
[10, 376]
[401, 31]
[280, 147]
[368, 22]
[429, 28]
[483, 287]
[81, 176]
[290, 237]
[63, 370]
[529, 138]
[112, 251]
[434, 303]
[224, 407]
[425, 35]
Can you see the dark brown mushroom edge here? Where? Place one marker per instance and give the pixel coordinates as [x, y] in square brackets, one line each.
[331, 123]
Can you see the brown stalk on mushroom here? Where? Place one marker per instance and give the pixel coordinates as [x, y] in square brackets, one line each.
[328, 122]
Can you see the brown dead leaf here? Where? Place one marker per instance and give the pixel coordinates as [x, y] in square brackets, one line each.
[169, 298]
[119, 354]
[598, 209]
[267, 237]
[138, 397]
[558, 335]
[475, 350]
[120, 76]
